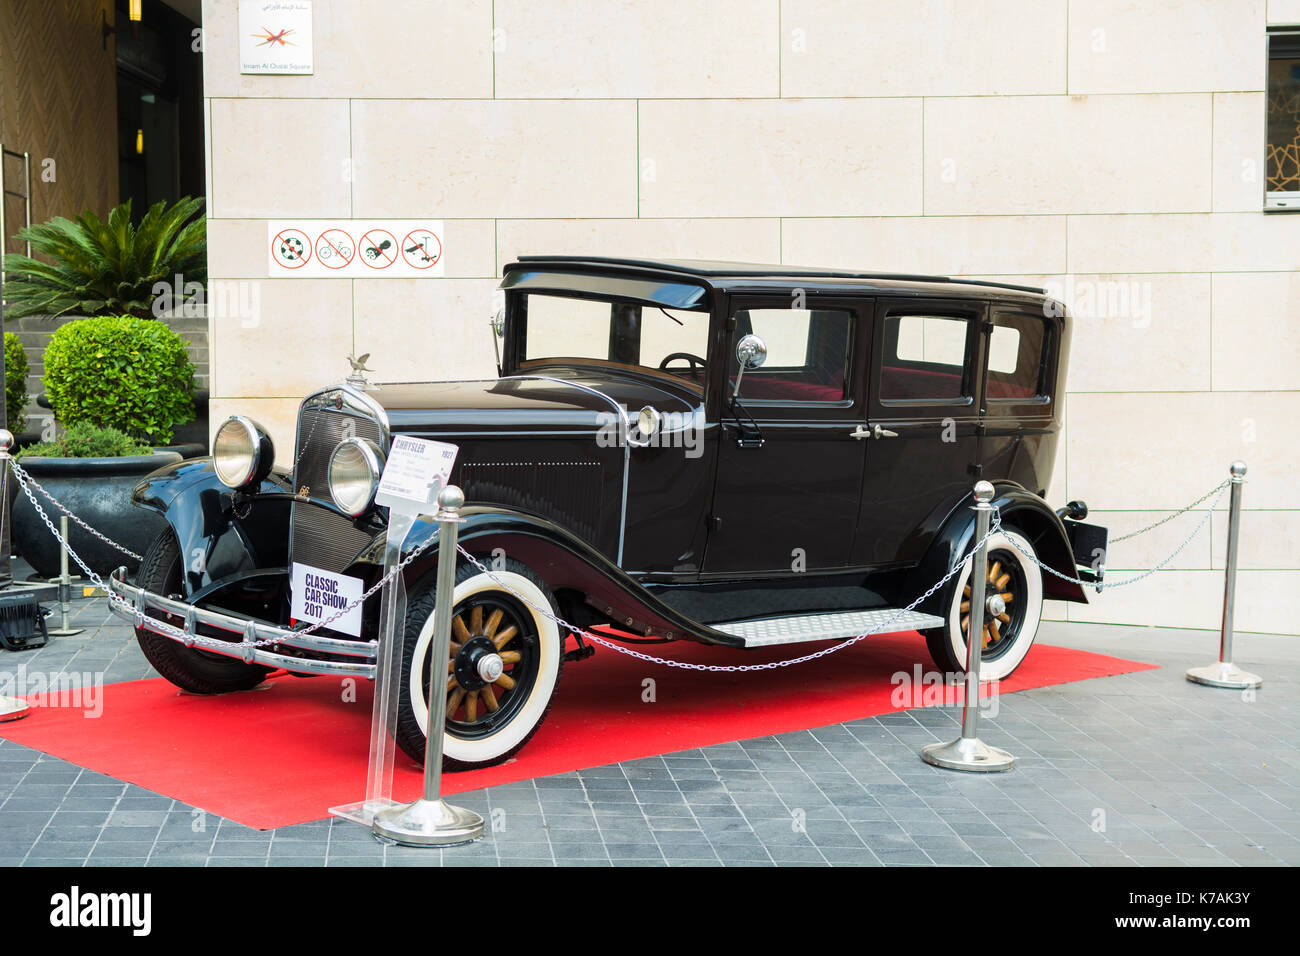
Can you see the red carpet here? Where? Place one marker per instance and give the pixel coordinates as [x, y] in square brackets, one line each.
[284, 753]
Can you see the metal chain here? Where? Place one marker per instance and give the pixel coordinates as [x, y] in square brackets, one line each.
[1171, 517]
[139, 614]
[1145, 574]
[883, 628]
[22, 474]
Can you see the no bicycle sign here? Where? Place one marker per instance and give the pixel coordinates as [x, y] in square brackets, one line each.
[355, 248]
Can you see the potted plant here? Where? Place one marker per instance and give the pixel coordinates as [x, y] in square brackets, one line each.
[119, 385]
[16, 369]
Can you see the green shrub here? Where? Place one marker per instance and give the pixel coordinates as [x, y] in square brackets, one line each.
[86, 441]
[16, 370]
[108, 268]
[120, 372]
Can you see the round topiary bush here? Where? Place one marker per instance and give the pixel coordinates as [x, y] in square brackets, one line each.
[120, 372]
[16, 370]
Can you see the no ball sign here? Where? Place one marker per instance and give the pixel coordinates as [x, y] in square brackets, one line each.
[352, 248]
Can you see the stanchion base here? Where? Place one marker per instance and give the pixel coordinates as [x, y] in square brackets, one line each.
[428, 823]
[64, 631]
[11, 708]
[1223, 675]
[967, 754]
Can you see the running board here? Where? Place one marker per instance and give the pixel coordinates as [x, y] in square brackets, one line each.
[801, 628]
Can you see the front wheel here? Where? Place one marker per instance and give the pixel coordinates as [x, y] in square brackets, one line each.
[1013, 595]
[502, 671]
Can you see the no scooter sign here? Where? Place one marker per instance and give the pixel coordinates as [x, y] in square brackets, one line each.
[355, 248]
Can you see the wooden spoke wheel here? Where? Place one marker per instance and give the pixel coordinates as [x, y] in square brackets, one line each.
[502, 668]
[1013, 596]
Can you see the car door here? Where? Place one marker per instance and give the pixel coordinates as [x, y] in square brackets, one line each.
[924, 453]
[789, 471]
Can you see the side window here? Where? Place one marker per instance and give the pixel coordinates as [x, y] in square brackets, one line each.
[1017, 347]
[924, 358]
[807, 354]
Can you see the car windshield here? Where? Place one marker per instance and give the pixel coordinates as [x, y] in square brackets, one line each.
[560, 327]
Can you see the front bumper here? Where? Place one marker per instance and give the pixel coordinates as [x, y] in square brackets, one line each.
[339, 657]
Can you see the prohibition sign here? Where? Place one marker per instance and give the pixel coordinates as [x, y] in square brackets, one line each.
[291, 248]
[421, 249]
[378, 248]
[334, 249]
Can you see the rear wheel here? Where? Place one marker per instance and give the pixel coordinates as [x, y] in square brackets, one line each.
[1013, 595]
[191, 669]
[504, 664]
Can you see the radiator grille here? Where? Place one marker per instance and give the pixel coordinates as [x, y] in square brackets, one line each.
[320, 536]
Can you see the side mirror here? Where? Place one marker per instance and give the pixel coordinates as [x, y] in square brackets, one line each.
[751, 352]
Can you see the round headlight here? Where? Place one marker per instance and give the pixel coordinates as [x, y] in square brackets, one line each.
[354, 470]
[242, 452]
[647, 421]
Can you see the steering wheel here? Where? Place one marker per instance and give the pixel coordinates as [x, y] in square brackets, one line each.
[693, 362]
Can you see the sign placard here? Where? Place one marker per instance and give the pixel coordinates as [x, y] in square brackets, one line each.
[355, 248]
[318, 594]
[416, 470]
[275, 36]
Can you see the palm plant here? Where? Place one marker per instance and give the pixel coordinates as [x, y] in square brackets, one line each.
[106, 268]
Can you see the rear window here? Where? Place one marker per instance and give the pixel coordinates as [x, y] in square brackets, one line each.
[1017, 348]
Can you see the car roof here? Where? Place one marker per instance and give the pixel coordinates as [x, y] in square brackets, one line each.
[731, 275]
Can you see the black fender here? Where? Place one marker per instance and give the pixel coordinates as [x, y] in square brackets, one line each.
[1021, 509]
[589, 587]
[224, 536]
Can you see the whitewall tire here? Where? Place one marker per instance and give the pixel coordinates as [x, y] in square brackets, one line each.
[487, 720]
[1018, 582]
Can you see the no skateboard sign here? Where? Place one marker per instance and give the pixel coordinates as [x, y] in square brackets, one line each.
[355, 248]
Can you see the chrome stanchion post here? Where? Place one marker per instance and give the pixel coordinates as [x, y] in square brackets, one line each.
[1224, 673]
[65, 585]
[968, 752]
[430, 821]
[11, 708]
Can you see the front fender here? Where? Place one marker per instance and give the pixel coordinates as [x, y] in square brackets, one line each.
[588, 586]
[1024, 510]
[222, 534]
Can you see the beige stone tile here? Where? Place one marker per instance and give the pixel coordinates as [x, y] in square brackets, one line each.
[1138, 333]
[1267, 602]
[489, 159]
[279, 416]
[737, 240]
[1238, 152]
[922, 47]
[433, 48]
[670, 48]
[1257, 331]
[1284, 12]
[299, 341]
[1059, 154]
[426, 329]
[1125, 558]
[939, 245]
[1267, 540]
[276, 158]
[1168, 599]
[1160, 46]
[780, 157]
[1220, 242]
[1162, 450]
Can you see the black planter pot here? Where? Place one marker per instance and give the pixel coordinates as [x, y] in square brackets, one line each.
[97, 490]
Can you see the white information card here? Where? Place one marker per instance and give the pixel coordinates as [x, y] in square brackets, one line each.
[416, 470]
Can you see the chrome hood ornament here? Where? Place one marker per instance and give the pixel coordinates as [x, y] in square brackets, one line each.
[358, 379]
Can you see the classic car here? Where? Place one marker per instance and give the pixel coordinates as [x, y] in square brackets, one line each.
[732, 454]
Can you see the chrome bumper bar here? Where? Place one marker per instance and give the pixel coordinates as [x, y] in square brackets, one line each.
[250, 631]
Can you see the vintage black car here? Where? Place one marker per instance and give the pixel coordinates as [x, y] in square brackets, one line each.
[732, 454]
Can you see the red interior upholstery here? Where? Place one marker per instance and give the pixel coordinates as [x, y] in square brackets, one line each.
[762, 387]
[904, 383]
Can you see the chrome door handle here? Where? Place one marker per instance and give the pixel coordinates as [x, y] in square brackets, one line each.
[874, 432]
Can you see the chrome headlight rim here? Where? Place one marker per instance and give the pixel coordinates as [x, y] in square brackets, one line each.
[372, 457]
[260, 453]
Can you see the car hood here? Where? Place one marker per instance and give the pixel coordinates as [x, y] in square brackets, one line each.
[553, 399]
